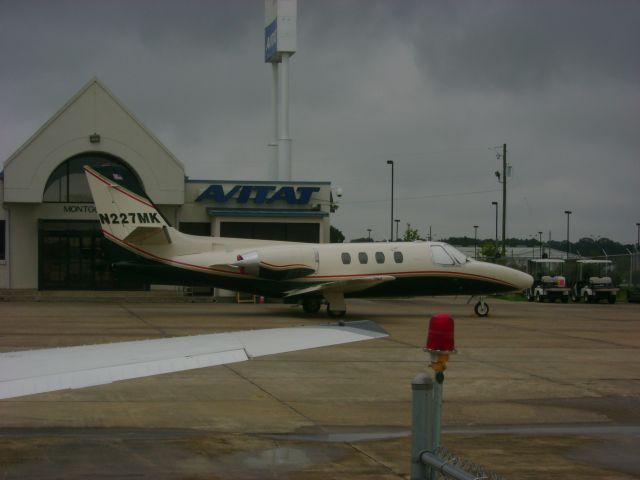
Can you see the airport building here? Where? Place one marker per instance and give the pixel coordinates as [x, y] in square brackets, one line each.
[50, 237]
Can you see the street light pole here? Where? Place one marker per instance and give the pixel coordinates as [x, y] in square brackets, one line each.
[540, 235]
[369, 231]
[397, 223]
[475, 242]
[638, 243]
[390, 162]
[568, 212]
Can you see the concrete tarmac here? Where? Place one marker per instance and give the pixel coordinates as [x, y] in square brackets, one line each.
[536, 391]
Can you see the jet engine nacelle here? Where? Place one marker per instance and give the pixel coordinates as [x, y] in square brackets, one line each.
[278, 264]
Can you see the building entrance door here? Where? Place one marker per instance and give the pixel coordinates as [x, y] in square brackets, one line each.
[73, 255]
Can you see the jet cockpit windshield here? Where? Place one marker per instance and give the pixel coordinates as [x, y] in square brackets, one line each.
[444, 254]
[456, 254]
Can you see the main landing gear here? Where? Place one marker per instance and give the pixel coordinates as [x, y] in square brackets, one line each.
[336, 307]
[311, 304]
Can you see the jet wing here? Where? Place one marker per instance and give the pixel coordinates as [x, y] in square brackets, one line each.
[346, 285]
[48, 370]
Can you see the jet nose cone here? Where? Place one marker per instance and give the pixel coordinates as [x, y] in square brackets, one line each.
[524, 281]
[511, 276]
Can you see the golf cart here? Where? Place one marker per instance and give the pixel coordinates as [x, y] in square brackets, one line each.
[549, 282]
[594, 282]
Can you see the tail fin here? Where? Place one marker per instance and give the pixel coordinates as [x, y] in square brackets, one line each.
[126, 216]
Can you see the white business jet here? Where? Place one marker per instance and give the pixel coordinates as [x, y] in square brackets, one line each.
[310, 274]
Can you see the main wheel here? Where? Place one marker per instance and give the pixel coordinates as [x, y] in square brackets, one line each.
[335, 313]
[481, 309]
[311, 304]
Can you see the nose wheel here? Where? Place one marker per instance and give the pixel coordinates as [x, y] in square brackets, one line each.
[481, 308]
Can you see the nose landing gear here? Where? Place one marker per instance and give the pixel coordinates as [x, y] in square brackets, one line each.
[481, 308]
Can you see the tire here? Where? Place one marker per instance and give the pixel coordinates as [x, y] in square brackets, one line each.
[481, 309]
[311, 304]
[335, 313]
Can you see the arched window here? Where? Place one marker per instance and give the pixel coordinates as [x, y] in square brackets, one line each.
[68, 184]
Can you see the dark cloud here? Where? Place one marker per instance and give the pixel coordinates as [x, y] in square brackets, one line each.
[433, 85]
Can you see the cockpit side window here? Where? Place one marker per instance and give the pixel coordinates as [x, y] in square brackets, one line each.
[440, 256]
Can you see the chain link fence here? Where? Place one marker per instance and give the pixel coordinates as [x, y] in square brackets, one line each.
[476, 471]
[624, 270]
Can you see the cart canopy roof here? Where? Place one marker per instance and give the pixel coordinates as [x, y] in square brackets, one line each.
[546, 260]
[594, 261]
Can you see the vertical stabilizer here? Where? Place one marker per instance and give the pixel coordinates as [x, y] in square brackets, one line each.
[122, 213]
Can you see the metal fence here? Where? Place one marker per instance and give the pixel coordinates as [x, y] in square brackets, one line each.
[624, 270]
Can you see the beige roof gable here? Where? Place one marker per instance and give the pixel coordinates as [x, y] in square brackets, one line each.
[93, 109]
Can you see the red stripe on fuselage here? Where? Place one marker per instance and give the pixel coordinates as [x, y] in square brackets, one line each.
[425, 273]
[120, 189]
[166, 260]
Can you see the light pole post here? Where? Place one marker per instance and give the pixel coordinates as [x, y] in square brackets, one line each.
[390, 162]
[369, 232]
[568, 212]
[540, 235]
[397, 223]
[638, 242]
[475, 242]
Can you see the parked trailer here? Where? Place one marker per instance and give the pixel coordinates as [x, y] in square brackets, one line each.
[594, 282]
[549, 282]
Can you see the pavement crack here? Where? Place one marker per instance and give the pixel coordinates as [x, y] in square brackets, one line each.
[158, 329]
[376, 461]
[271, 395]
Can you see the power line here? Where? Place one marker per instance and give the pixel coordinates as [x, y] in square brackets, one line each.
[421, 197]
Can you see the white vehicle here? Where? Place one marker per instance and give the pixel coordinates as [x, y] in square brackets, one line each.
[549, 281]
[301, 272]
[594, 282]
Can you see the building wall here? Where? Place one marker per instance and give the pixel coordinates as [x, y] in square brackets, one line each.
[94, 110]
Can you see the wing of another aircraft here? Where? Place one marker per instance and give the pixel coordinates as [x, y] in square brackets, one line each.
[346, 285]
[48, 370]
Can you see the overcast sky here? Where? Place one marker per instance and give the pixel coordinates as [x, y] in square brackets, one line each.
[433, 85]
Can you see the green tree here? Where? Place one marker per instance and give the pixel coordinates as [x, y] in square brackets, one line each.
[411, 234]
[335, 235]
[489, 249]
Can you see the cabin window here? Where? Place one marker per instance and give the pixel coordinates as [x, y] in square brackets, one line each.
[363, 257]
[346, 258]
[397, 256]
[379, 257]
[440, 256]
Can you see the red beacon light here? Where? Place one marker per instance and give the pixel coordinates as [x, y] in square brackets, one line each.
[440, 340]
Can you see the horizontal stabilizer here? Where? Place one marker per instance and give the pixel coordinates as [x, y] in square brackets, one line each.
[347, 285]
[149, 236]
[36, 371]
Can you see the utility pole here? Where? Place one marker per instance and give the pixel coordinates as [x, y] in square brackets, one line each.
[504, 198]
[390, 162]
